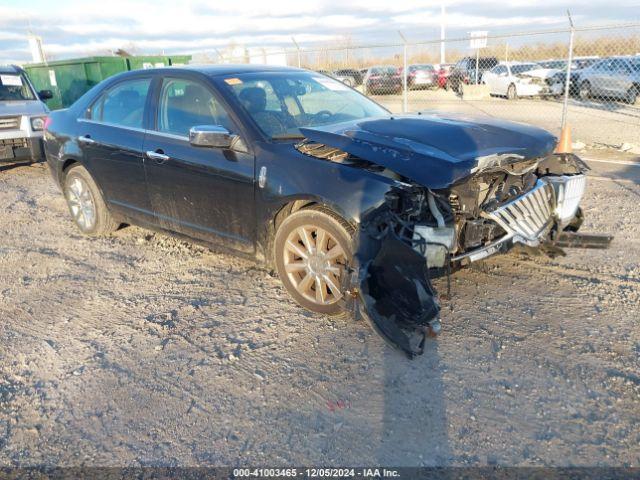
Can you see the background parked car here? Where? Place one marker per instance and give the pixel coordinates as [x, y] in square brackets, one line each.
[346, 79]
[421, 76]
[22, 117]
[464, 71]
[615, 77]
[444, 69]
[382, 79]
[578, 64]
[355, 74]
[518, 79]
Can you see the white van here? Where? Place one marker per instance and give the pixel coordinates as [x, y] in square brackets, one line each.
[22, 117]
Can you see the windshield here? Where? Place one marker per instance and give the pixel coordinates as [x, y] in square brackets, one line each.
[383, 70]
[282, 102]
[516, 69]
[553, 64]
[635, 64]
[413, 68]
[13, 86]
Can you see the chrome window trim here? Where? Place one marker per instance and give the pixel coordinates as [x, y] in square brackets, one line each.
[168, 135]
[139, 130]
[109, 124]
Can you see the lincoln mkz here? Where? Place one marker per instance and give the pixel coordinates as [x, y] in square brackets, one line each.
[355, 208]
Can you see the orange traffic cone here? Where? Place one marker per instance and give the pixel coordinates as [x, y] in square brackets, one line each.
[564, 144]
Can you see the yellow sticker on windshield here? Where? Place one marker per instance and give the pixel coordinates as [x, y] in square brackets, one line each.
[233, 81]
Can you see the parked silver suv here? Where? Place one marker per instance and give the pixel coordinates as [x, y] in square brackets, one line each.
[614, 77]
[22, 117]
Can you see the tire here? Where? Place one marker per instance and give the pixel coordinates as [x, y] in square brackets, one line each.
[585, 90]
[632, 96]
[85, 202]
[302, 276]
[512, 94]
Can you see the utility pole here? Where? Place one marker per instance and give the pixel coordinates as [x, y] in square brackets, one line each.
[567, 80]
[442, 33]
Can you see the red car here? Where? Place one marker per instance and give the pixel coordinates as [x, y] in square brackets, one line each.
[420, 76]
[443, 74]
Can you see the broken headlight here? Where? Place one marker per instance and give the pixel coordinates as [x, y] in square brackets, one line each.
[439, 242]
[568, 190]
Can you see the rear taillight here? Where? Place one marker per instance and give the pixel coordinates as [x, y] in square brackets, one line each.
[47, 123]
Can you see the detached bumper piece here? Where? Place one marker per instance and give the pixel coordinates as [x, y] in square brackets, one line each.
[583, 240]
[397, 298]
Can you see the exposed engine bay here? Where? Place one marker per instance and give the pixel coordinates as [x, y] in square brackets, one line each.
[420, 233]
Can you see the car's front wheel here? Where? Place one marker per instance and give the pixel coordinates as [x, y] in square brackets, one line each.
[86, 205]
[311, 249]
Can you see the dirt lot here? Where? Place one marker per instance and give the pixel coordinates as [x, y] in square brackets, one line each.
[139, 349]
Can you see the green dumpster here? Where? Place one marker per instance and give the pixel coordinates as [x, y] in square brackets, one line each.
[70, 79]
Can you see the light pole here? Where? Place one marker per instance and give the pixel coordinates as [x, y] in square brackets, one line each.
[442, 33]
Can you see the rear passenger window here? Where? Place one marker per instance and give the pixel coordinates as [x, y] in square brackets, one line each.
[123, 105]
[185, 104]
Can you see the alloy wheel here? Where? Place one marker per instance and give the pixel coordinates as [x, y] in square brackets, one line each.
[81, 204]
[313, 261]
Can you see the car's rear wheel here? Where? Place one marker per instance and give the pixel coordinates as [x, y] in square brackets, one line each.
[585, 90]
[86, 205]
[311, 249]
[512, 93]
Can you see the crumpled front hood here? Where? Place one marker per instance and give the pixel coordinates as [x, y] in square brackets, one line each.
[434, 150]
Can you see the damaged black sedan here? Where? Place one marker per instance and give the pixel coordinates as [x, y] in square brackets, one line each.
[355, 208]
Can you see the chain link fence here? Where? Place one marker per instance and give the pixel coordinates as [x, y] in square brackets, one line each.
[520, 77]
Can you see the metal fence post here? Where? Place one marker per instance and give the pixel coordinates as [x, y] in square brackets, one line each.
[404, 73]
[298, 50]
[567, 80]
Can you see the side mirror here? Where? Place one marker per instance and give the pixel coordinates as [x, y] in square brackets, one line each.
[45, 94]
[214, 136]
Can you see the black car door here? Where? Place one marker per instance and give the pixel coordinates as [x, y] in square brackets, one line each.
[111, 136]
[203, 192]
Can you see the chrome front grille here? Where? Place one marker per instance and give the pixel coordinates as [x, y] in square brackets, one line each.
[528, 216]
[9, 123]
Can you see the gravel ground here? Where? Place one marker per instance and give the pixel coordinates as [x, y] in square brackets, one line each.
[139, 349]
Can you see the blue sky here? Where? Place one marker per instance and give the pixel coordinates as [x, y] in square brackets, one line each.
[71, 28]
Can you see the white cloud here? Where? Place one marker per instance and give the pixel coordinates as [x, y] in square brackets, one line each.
[75, 27]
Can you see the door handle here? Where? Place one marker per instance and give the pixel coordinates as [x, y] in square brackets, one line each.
[158, 156]
[86, 139]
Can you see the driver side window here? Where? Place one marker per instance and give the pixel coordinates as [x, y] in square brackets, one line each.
[185, 104]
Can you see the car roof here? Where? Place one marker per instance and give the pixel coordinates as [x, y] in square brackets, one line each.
[232, 69]
[514, 63]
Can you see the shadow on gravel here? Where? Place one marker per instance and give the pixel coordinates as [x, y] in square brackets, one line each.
[630, 173]
[11, 166]
[415, 418]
